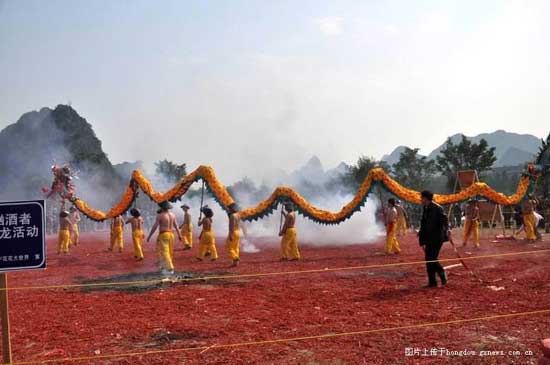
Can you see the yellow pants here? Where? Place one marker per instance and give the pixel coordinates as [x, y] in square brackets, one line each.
[233, 245]
[289, 245]
[471, 227]
[401, 226]
[165, 240]
[208, 244]
[116, 238]
[137, 237]
[187, 235]
[529, 221]
[76, 234]
[64, 240]
[392, 245]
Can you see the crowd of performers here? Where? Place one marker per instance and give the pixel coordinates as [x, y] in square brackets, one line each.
[434, 230]
[526, 216]
[168, 228]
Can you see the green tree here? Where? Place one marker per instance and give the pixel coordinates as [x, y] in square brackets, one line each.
[358, 172]
[543, 159]
[465, 155]
[413, 171]
[170, 170]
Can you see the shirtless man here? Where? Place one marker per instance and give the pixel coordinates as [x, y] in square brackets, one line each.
[207, 241]
[471, 224]
[75, 219]
[166, 223]
[402, 219]
[65, 231]
[391, 215]
[529, 219]
[289, 241]
[232, 244]
[117, 231]
[186, 228]
[137, 233]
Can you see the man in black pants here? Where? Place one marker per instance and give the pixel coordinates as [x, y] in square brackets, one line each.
[434, 230]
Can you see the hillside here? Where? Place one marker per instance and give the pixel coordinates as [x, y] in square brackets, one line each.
[511, 149]
[42, 138]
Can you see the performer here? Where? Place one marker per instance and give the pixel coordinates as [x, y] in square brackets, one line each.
[186, 228]
[457, 214]
[471, 224]
[65, 231]
[137, 233]
[289, 241]
[166, 223]
[232, 244]
[434, 230]
[529, 220]
[391, 219]
[402, 219]
[75, 219]
[117, 233]
[207, 241]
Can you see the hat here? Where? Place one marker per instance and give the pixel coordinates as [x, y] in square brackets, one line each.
[184, 206]
[165, 205]
[134, 212]
[64, 214]
[289, 207]
[72, 209]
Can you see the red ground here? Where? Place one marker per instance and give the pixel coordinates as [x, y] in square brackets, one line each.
[58, 323]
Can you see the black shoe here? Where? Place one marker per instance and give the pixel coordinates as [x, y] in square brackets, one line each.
[430, 285]
[443, 277]
[207, 254]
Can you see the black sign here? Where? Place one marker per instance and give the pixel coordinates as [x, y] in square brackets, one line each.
[22, 235]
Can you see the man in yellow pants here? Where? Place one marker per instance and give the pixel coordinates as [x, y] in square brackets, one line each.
[233, 241]
[166, 223]
[529, 219]
[471, 224]
[392, 245]
[117, 232]
[186, 228]
[289, 240]
[64, 234]
[402, 219]
[75, 219]
[207, 241]
[137, 233]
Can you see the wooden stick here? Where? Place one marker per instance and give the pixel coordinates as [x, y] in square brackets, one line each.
[281, 220]
[202, 199]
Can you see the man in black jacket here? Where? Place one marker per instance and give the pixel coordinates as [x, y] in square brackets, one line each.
[434, 230]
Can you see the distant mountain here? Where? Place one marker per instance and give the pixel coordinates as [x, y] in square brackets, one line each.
[393, 157]
[510, 148]
[312, 171]
[42, 138]
[342, 169]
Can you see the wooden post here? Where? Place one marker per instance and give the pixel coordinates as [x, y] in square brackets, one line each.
[6, 343]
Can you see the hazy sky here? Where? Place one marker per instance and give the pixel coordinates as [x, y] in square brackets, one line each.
[251, 86]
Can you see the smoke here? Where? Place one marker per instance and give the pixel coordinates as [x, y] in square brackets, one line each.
[360, 228]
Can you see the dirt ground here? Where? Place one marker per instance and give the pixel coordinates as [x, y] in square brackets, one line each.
[58, 323]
